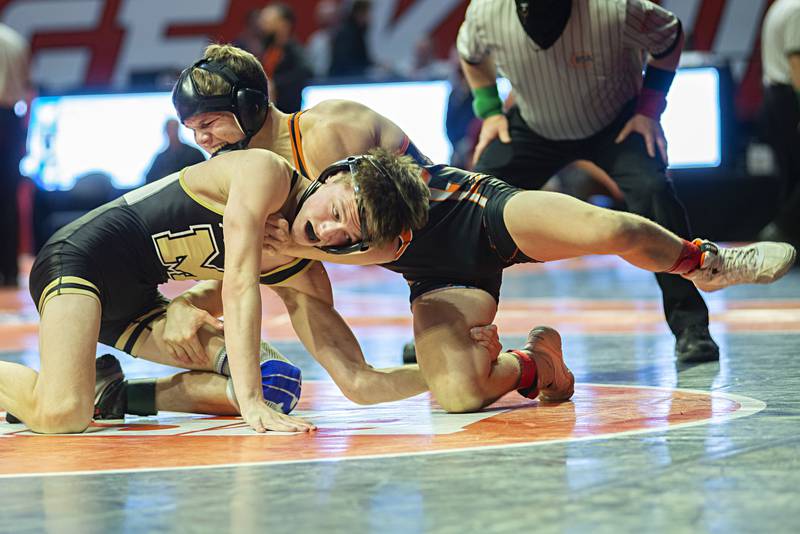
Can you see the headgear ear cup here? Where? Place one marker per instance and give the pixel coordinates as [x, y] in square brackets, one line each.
[251, 109]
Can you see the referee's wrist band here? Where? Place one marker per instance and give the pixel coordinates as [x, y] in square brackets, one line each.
[658, 79]
[486, 102]
[651, 103]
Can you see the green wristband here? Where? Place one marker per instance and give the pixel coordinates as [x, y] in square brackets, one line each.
[486, 102]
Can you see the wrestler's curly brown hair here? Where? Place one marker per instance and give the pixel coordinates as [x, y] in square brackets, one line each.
[394, 201]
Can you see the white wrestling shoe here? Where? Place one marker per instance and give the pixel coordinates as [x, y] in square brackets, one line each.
[760, 263]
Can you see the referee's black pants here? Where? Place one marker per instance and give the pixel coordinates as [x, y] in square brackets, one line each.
[11, 139]
[530, 160]
[781, 119]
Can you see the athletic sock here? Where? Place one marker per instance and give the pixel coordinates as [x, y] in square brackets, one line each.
[689, 259]
[527, 384]
[140, 396]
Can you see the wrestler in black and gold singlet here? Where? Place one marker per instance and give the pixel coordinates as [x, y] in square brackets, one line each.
[120, 252]
[465, 242]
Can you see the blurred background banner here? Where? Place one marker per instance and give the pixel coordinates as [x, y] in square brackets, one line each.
[99, 119]
[112, 43]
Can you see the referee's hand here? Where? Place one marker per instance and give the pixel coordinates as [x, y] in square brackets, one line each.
[492, 128]
[652, 132]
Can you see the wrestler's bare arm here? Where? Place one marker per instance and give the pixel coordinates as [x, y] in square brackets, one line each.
[324, 333]
[335, 129]
[258, 184]
[205, 295]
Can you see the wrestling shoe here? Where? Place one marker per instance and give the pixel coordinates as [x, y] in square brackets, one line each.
[554, 380]
[11, 419]
[694, 344]
[760, 263]
[109, 388]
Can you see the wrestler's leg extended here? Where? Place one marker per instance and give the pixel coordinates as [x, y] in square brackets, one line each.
[551, 226]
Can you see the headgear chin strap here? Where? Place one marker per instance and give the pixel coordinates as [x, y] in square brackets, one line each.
[351, 164]
[247, 100]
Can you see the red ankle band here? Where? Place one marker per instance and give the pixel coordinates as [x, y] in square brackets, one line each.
[527, 369]
[689, 260]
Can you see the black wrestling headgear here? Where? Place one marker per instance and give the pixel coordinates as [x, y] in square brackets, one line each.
[248, 100]
[351, 164]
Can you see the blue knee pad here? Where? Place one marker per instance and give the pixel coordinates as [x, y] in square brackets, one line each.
[281, 382]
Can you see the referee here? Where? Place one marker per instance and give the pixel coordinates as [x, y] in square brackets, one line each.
[780, 59]
[575, 67]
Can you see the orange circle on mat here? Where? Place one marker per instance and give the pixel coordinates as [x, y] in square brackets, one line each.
[346, 431]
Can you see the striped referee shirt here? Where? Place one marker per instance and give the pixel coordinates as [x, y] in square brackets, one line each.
[579, 85]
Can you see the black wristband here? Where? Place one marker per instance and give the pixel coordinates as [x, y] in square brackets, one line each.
[658, 79]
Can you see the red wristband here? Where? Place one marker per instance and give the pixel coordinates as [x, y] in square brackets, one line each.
[651, 103]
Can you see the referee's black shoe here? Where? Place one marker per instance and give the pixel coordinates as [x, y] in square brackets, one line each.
[694, 345]
[409, 353]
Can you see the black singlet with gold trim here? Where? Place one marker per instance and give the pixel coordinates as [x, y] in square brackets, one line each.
[120, 252]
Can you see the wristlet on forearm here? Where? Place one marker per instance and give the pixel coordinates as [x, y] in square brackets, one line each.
[652, 100]
[486, 101]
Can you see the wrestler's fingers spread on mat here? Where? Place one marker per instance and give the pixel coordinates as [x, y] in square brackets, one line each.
[294, 424]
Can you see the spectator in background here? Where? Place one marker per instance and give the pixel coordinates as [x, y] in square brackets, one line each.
[175, 157]
[780, 57]
[250, 38]
[423, 63]
[283, 58]
[320, 43]
[350, 53]
[13, 87]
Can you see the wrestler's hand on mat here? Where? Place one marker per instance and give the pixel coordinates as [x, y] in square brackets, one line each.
[180, 340]
[486, 337]
[261, 418]
[277, 237]
[492, 128]
[652, 132]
